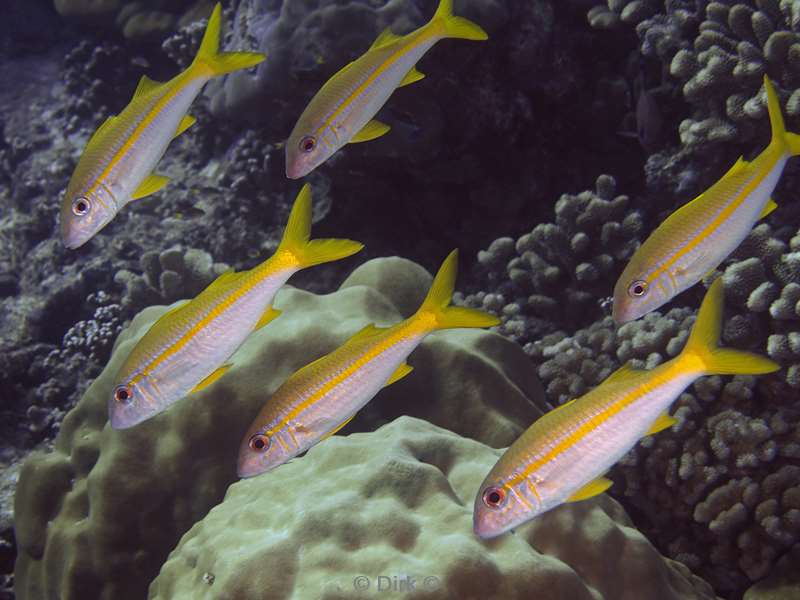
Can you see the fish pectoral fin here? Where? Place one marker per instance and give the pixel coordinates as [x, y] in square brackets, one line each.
[269, 315]
[768, 208]
[150, 185]
[373, 129]
[385, 38]
[211, 378]
[664, 421]
[593, 488]
[185, 123]
[335, 429]
[145, 85]
[412, 76]
[401, 371]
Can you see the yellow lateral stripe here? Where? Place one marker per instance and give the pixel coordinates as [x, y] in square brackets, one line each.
[391, 338]
[594, 422]
[377, 73]
[724, 214]
[217, 309]
[146, 121]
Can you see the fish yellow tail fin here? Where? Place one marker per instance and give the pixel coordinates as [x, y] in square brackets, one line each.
[779, 133]
[456, 27]
[220, 63]
[436, 304]
[703, 342]
[296, 244]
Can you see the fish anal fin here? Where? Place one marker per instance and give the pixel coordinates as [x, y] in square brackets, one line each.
[768, 208]
[591, 489]
[401, 371]
[269, 315]
[337, 428]
[186, 122]
[664, 421]
[150, 185]
[385, 38]
[145, 85]
[211, 378]
[412, 76]
[373, 129]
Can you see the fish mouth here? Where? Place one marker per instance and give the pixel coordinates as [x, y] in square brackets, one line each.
[293, 172]
[248, 468]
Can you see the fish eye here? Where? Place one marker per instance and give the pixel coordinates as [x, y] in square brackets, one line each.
[494, 497]
[637, 289]
[308, 143]
[123, 394]
[81, 206]
[259, 442]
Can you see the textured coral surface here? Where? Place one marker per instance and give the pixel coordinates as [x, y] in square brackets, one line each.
[98, 516]
[380, 511]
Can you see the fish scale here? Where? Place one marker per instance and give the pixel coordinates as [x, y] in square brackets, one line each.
[564, 456]
[117, 164]
[696, 238]
[342, 111]
[323, 396]
[186, 348]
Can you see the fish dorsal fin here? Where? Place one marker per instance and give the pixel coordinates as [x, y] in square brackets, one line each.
[768, 208]
[150, 185]
[373, 129]
[593, 488]
[337, 428]
[343, 69]
[145, 85]
[212, 378]
[186, 122]
[623, 373]
[664, 421]
[269, 315]
[737, 166]
[385, 38]
[412, 76]
[558, 408]
[401, 371]
[367, 332]
[174, 309]
[103, 126]
[226, 278]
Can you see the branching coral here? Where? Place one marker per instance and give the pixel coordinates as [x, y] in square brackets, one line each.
[719, 52]
[553, 276]
[168, 276]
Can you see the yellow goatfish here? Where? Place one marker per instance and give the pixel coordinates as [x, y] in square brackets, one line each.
[563, 456]
[697, 237]
[186, 349]
[341, 112]
[323, 396]
[117, 164]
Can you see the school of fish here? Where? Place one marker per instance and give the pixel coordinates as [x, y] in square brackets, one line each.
[563, 456]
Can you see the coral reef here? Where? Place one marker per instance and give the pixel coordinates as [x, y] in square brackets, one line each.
[722, 478]
[177, 466]
[391, 511]
[553, 276]
[168, 276]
